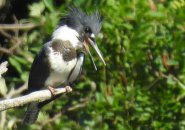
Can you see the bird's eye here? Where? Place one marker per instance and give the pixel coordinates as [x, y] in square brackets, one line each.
[88, 30]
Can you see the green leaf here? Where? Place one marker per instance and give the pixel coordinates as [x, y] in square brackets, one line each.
[20, 60]
[49, 5]
[15, 64]
[172, 62]
[36, 9]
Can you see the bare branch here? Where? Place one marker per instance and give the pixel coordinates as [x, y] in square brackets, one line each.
[17, 26]
[38, 96]
[4, 33]
[6, 51]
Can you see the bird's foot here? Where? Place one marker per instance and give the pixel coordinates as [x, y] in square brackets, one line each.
[68, 89]
[52, 90]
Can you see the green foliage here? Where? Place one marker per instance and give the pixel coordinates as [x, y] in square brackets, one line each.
[142, 86]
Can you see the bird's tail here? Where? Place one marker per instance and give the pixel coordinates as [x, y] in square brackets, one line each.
[31, 113]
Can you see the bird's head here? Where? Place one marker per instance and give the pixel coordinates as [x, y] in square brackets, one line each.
[87, 26]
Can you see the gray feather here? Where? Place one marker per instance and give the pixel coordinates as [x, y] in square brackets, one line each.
[77, 69]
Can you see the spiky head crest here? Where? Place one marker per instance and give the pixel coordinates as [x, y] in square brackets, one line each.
[79, 20]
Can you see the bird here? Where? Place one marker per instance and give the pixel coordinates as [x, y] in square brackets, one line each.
[61, 59]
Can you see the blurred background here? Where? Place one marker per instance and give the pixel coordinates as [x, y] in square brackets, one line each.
[141, 88]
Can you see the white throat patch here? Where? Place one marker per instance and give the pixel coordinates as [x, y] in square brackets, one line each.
[65, 33]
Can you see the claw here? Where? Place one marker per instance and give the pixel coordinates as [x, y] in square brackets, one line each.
[68, 89]
[52, 90]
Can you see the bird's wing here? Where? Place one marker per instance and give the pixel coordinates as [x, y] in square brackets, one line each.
[77, 69]
[39, 70]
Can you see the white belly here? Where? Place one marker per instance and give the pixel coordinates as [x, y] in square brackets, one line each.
[60, 69]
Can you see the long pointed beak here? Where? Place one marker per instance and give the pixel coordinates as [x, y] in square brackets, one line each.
[94, 45]
[88, 51]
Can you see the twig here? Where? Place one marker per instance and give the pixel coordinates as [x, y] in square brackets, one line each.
[10, 50]
[4, 33]
[14, 92]
[18, 43]
[77, 106]
[81, 104]
[182, 85]
[3, 67]
[153, 83]
[38, 96]
[17, 26]
[2, 119]
[50, 119]
[152, 5]
[6, 51]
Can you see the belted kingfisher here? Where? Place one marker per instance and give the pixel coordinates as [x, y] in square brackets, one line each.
[61, 59]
